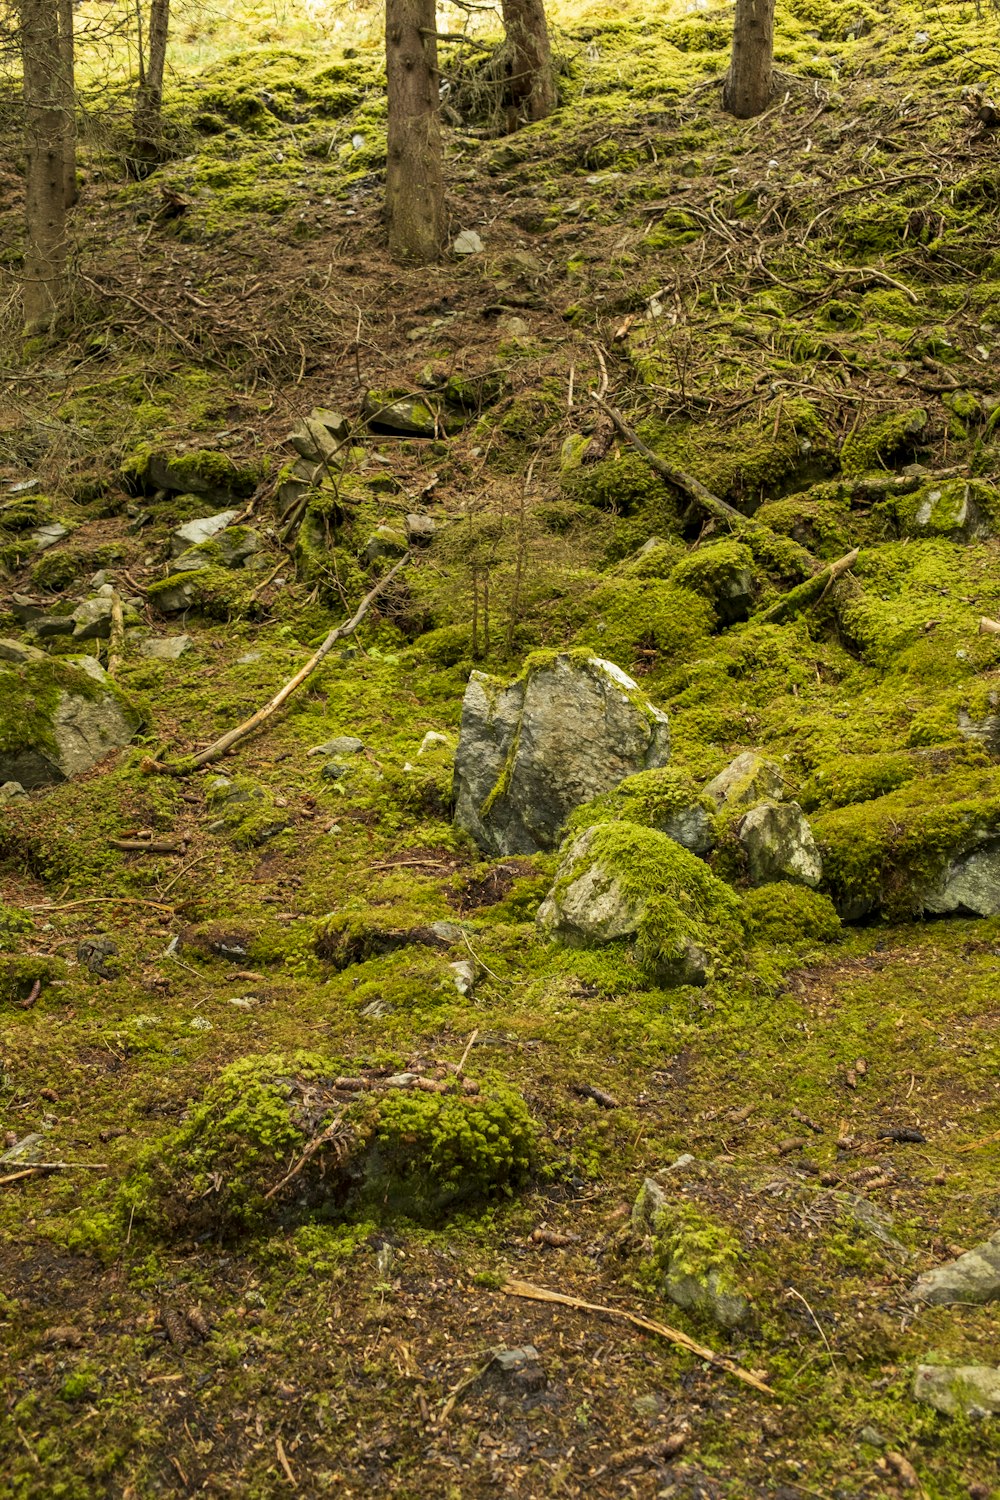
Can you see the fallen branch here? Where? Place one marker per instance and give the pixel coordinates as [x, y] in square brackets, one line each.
[148, 846]
[677, 477]
[541, 1294]
[55, 1166]
[333, 1132]
[988, 626]
[226, 742]
[116, 640]
[101, 901]
[807, 593]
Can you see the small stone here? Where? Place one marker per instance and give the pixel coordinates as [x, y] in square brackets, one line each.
[959, 1390]
[165, 647]
[468, 243]
[520, 1369]
[464, 976]
[11, 791]
[420, 529]
[433, 741]
[200, 1023]
[193, 533]
[650, 1201]
[48, 536]
[872, 1437]
[92, 620]
[401, 1081]
[514, 328]
[332, 770]
[972, 1278]
[780, 845]
[342, 744]
[384, 542]
[745, 781]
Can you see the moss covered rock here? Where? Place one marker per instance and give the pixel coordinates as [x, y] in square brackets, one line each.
[58, 718]
[779, 845]
[784, 915]
[570, 727]
[690, 1257]
[666, 799]
[619, 881]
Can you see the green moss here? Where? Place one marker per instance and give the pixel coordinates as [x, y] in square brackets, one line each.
[783, 915]
[13, 923]
[200, 472]
[682, 907]
[847, 779]
[18, 976]
[885, 441]
[218, 593]
[434, 1151]
[641, 624]
[883, 854]
[723, 572]
[651, 798]
[29, 696]
[695, 1261]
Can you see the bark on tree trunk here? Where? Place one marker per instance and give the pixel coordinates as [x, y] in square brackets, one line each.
[44, 138]
[532, 79]
[67, 61]
[414, 183]
[747, 89]
[149, 94]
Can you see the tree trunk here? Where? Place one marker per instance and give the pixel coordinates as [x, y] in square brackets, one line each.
[532, 79]
[414, 183]
[67, 65]
[44, 138]
[747, 89]
[149, 95]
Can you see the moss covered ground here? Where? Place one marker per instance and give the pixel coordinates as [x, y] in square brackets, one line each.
[796, 310]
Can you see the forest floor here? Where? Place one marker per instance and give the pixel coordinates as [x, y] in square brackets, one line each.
[757, 296]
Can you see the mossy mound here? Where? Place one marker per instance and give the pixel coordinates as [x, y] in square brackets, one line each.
[280, 1136]
[888, 440]
[889, 853]
[784, 915]
[667, 800]
[621, 881]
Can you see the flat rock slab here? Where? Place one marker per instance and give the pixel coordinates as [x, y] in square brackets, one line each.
[569, 728]
[973, 1277]
[959, 1390]
[85, 722]
[165, 647]
[193, 533]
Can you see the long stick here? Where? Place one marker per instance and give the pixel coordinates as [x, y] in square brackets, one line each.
[541, 1294]
[677, 477]
[799, 598]
[219, 748]
[116, 640]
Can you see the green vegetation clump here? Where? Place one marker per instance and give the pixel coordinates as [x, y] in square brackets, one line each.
[431, 1152]
[18, 976]
[202, 472]
[643, 622]
[785, 915]
[216, 592]
[398, 1152]
[884, 854]
[13, 923]
[695, 1261]
[651, 798]
[888, 440]
[846, 779]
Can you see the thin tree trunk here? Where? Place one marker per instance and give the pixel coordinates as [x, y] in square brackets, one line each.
[747, 89]
[44, 136]
[532, 79]
[149, 95]
[67, 79]
[414, 184]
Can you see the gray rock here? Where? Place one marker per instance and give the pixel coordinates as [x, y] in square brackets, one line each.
[180, 596]
[973, 1277]
[745, 781]
[92, 620]
[335, 423]
[384, 542]
[47, 536]
[464, 976]
[872, 1437]
[692, 827]
[519, 1369]
[28, 1149]
[407, 416]
[85, 724]
[420, 529]
[468, 243]
[985, 730]
[709, 1294]
[11, 791]
[314, 442]
[970, 885]
[165, 647]
[514, 328]
[342, 744]
[569, 728]
[332, 770]
[651, 1201]
[193, 533]
[959, 1390]
[588, 905]
[779, 845]
[46, 626]
[434, 743]
[957, 508]
[18, 653]
[690, 1279]
[228, 549]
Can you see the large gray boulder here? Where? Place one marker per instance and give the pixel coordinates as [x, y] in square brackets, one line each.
[58, 718]
[972, 1277]
[779, 845]
[959, 1390]
[569, 728]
